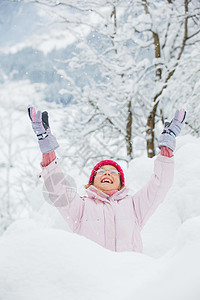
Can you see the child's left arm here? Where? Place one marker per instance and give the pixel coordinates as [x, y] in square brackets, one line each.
[165, 151]
[153, 193]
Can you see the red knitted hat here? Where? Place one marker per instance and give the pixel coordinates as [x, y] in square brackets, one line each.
[107, 162]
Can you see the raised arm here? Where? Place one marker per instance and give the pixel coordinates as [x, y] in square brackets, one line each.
[57, 189]
[153, 193]
[60, 192]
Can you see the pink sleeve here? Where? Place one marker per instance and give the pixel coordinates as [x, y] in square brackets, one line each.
[61, 194]
[153, 193]
[165, 151]
[47, 158]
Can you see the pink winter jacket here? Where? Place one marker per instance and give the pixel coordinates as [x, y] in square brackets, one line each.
[114, 222]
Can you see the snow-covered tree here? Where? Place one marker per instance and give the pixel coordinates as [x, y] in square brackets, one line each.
[172, 28]
[140, 47]
[134, 51]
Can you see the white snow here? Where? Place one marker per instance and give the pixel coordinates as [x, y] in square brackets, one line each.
[41, 259]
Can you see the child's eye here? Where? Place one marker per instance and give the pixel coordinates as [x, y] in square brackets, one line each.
[114, 172]
[101, 172]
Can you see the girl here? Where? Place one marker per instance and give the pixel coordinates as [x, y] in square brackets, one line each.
[108, 215]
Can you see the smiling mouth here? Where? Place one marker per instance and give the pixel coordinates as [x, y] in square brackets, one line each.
[106, 180]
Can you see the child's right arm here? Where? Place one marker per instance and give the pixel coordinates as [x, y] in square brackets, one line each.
[61, 194]
[58, 190]
[47, 158]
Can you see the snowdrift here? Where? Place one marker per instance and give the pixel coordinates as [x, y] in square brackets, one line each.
[55, 264]
[51, 263]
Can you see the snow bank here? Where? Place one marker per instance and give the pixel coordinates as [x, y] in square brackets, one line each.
[54, 264]
[39, 262]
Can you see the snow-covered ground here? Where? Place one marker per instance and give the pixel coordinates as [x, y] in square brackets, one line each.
[41, 259]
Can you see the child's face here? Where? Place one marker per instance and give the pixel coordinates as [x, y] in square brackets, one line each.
[107, 181]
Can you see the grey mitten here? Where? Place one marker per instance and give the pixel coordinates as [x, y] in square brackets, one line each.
[172, 130]
[40, 125]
